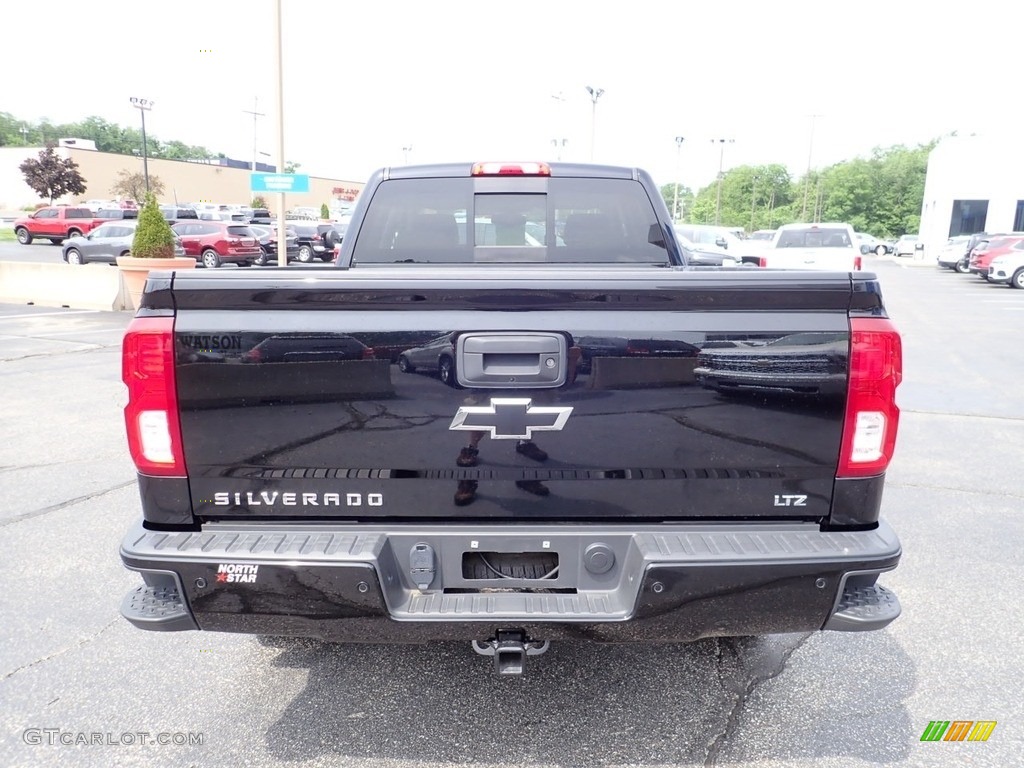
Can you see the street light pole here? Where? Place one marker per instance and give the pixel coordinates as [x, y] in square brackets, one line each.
[559, 145]
[282, 237]
[406, 150]
[255, 115]
[675, 201]
[595, 94]
[143, 105]
[721, 157]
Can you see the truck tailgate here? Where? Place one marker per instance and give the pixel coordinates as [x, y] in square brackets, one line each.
[336, 395]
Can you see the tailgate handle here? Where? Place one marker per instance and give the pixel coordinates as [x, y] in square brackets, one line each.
[511, 360]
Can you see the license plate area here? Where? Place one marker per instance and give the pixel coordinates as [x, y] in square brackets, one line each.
[507, 566]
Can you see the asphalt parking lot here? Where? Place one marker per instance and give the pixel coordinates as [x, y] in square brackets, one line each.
[70, 665]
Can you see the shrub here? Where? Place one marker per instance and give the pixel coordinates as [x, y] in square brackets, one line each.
[153, 236]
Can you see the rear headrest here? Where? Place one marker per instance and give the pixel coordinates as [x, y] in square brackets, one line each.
[430, 230]
[588, 229]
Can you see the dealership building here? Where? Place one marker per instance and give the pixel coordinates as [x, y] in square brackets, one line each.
[973, 184]
[216, 180]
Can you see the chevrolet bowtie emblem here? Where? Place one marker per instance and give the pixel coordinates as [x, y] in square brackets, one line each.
[511, 418]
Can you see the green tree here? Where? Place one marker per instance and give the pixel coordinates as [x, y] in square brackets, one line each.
[153, 236]
[52, 176]
[325, 212]
[258, 202]
[752, 197]
[668, 194]
[290, 167]
[133, 185]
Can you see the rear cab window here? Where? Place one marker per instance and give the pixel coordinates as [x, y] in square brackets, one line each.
[509, 220]
[815, 237]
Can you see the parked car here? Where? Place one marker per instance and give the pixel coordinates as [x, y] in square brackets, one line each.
[176, 213]
[261, 216]
[216, 242]
[1008, 268]
[906, 245]
[316, 241]
[117, 214]
[954, 251]
[711, 239]
[436, 357]
[996, 246]
[268, 243]
[764, 235]
[704, 257]
[819, 245]
[106, 243]
[875, 246]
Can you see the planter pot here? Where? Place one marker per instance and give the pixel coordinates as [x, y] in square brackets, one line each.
[135, 271]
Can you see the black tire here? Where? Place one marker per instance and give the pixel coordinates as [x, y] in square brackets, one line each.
[305, 254]
[56, 240]
[210, 259]
[404, 365]
[74, 233]
[1017, 281]
[23, 236]
[74, 256]
[880, 250]
[446, 372]
[962, 267]
[262, 259]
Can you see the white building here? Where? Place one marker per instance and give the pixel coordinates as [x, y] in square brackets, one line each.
[973, 184]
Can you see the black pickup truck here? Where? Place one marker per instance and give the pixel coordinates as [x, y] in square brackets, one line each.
[511, 413]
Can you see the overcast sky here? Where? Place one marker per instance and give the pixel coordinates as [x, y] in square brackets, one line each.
[503, 79]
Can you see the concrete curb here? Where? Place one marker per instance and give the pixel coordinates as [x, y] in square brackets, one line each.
[86, 286]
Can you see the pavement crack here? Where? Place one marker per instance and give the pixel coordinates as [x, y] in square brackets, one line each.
[61, 651]
[741, 690]
[69, 502]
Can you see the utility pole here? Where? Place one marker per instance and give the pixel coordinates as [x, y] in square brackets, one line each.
[721, 157]
[807, 176]
[595, 94]
[256, 114]
[559, 145]
[675, 202]
[406, 150]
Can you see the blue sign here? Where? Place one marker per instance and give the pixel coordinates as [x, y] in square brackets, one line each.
[279, 182]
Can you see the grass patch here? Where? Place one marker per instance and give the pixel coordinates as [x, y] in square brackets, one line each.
[7, 236]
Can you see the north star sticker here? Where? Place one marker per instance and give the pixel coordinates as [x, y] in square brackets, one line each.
[511, 418]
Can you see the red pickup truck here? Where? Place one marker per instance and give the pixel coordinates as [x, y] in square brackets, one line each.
[56, 223]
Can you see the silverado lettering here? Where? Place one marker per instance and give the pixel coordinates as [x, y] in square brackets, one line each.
[264, 498]
[580, 434]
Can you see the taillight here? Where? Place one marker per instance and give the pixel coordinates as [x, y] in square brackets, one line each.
[872, 418]
[762, 262]
[858, 262]
[151, 416]
[369, 353]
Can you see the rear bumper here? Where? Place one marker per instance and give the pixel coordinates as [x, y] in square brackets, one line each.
[614, 584]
